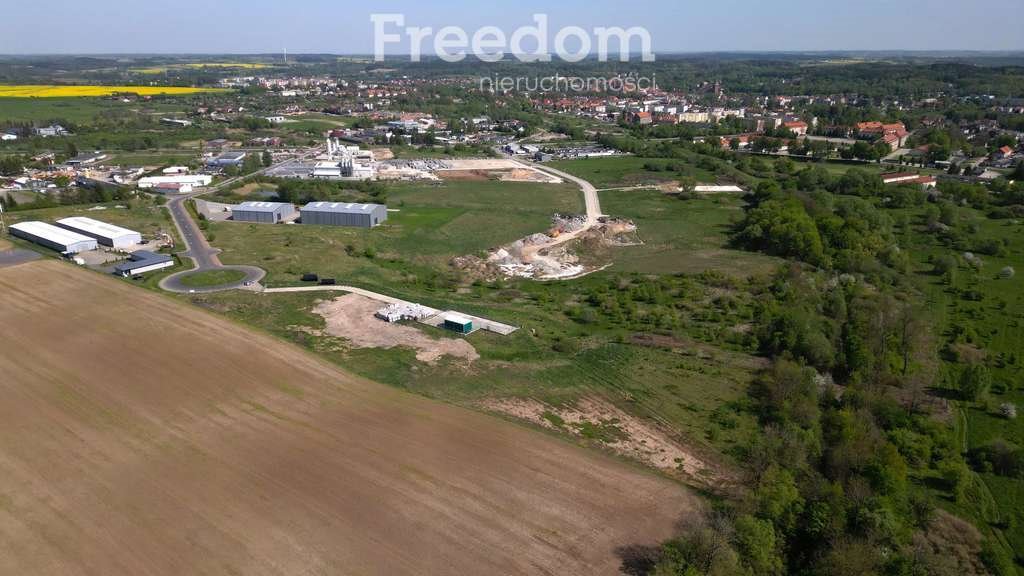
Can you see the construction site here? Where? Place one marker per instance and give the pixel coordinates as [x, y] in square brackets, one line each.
[569, 249]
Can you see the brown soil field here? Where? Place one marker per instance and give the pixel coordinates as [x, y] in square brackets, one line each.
[140, 435]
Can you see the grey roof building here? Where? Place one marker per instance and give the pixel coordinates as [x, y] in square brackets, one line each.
[262, 212]
[235, 158]
[142, 261]
[344, 214]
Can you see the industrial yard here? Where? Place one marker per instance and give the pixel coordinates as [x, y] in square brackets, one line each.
[269, 460]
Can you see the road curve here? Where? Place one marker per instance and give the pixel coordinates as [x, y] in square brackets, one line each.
[198, 249]
[203, 256]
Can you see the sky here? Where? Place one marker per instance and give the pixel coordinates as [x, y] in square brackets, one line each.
[344, 26]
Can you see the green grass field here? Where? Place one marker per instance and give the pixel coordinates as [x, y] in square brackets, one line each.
[433, 224]
[77, 110]
[208, 278]
[81, 110]
[691, 384]
[623, 171]
[698, 392]
[681, 235]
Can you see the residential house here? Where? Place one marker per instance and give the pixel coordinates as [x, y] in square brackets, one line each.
[798, 127]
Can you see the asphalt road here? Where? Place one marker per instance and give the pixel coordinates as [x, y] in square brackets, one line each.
[198, 249]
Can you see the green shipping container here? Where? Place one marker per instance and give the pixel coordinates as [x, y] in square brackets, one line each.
[458, 324]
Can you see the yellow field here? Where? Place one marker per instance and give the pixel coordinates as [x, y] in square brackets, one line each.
[52, 91]
[194, 65]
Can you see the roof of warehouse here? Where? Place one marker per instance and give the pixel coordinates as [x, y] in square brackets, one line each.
[140, 259]
[260, 206]
[341, 207]
[91, 226]
[51, 232]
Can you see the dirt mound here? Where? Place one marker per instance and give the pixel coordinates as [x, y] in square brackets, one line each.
[352, 317]
[567, 251]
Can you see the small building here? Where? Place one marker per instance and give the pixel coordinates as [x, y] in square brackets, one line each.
[105, 234]
[343, 214]
[235, 158]
[143, 261]
[179, 182]
[274, 119]
[716, 189]
[50, 131]
[457, 323]
[53, 237]
[909, 178]
[86, 159]
[262, 212]
[798, 127]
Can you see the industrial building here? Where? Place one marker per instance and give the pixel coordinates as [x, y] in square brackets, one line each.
[342, 214]
[344, 162]
[262, 212]
[235, 158]
[86, 159]
[59, 239]
[105, 234]
[457, 323]
[143, 261]
[179, 182]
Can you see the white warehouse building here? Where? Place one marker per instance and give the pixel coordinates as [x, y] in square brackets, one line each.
[189, 180]
[105, 234]
[59, 239]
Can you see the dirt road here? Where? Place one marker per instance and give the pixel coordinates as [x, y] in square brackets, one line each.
[143, 436]
[590, 198]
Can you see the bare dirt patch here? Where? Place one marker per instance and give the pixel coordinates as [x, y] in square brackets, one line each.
[496, 169]
[352, 317]
[382, 153]
[465, 175]
[140, 435]
[625, 434]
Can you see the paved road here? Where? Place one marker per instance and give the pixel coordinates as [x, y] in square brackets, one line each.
[590, 198]
[198, 249]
